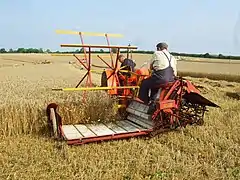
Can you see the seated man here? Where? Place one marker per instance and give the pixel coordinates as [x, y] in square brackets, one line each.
[163, 66]
[126, 64]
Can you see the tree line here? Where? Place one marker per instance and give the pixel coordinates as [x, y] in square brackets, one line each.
[25, 50]
[114, 50]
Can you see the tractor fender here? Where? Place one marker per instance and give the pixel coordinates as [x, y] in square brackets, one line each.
[142, 71]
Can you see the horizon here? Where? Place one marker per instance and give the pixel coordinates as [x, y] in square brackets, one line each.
[107, 52]
[188, 27]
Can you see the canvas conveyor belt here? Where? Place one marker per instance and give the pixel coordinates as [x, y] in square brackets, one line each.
[137, 123]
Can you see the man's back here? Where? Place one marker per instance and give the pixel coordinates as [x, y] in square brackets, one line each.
[160, 60]
[128, 63]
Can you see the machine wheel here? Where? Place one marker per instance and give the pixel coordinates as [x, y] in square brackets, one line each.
[104, 80]
[54, 120]
[54, 123]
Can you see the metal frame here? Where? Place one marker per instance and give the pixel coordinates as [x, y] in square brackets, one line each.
[169, 106]
[108, 138]
[166, 104]
[87, 58]
[59, 133]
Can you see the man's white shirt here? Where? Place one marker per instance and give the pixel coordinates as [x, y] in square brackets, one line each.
[159, 61]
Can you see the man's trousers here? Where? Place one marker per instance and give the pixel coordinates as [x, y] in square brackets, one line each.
[147, 84]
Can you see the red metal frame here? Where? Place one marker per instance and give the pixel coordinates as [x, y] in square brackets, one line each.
[89, 63]
[167, 90]
[86, 62]
[103, 138]
[87, 67]
[110, 50]
[108, 137]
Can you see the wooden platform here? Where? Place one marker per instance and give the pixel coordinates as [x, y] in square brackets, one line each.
[81, 131]
[137, 123]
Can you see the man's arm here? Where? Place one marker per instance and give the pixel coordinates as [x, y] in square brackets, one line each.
[174, 65]
[151, 66]
[152, 60]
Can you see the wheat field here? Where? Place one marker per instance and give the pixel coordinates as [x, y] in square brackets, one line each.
[26, 151]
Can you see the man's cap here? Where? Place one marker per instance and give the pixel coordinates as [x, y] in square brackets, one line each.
[162, 45]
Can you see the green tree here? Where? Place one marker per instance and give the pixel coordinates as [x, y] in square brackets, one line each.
[81, 50]
[220, 56]
[207, 55]
[77, 51]
[114, 50]
[11, 50]
[21, 50]
[2, 50]
[48, 51]
[29, 50]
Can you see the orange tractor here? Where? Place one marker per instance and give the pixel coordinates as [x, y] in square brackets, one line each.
[175, 105]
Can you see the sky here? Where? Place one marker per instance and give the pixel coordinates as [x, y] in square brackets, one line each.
[190, 26]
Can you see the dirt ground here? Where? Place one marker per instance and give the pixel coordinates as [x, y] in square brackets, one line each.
[197, 65]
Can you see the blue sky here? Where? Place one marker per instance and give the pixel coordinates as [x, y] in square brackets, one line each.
[187, 25]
